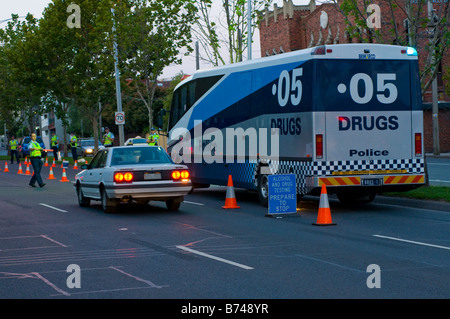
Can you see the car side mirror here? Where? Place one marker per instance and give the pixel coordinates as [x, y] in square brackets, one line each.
[85, 166]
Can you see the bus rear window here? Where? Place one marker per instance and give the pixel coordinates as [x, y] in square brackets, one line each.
[365, 85]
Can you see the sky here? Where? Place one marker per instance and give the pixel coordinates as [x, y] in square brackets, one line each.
[36, 7]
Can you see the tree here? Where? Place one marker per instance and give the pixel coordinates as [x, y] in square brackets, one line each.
[24, 68]
[410, 13]
[151, 34]
[227, 30]
[82, 69]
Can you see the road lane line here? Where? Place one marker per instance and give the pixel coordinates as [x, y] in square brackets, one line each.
[39, 276]
[55, 208]
[193, 203]
[53, 241]
[439, 181]
[214, 257]
[148, 282]
[412, 242]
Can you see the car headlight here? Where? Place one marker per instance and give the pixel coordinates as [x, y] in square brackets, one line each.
[89, 150]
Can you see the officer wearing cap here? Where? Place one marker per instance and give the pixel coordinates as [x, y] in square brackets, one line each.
[153, 138]
[108, 138]
[36, 162]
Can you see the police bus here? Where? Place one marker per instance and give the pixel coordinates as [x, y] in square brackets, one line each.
[348, 116]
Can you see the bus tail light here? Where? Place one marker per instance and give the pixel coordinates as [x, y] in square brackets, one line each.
[319, 146]
[418, 144]
[123, 177]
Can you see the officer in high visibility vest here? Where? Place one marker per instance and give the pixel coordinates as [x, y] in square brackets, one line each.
[74, 145]
[13, 147]
[36, 162]
[108, 138]
[153, 138]
[54, 144]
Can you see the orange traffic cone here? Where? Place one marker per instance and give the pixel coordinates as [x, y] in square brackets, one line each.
[54, 162]
[50, 175]
[64, 176]
[230, 200]
[46, 161]
[27, 172]
[6, 167]
[20, 169]
[75, 165]
[324, 215]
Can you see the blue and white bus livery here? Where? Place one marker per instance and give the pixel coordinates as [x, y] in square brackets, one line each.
[348, 116]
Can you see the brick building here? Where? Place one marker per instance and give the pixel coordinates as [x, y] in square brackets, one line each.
[295, 27]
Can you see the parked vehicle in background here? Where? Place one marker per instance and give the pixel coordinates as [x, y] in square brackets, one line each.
[86, 147]
[23, 145]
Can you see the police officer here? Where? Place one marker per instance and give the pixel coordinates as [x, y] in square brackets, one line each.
[54, 144]
[108, 138]
[36, 162]
[74, 145]
[14, 152]
[153, 138]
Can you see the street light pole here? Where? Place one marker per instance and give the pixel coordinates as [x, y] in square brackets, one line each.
[118, 90]
[249, 30]
[434, 88]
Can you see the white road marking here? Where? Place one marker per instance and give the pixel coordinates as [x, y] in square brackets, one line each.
[214, 257]
[38, 275]
[439, 181]
[193, 203]
[412, 242]
[55, 208]
[53, 241]
[148, 282]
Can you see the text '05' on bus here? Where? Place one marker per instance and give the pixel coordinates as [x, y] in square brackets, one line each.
[348, 116]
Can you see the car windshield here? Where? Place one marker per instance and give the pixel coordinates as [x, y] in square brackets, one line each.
[88, 143]
[139, 155]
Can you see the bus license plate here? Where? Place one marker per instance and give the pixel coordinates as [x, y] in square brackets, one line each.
[372, 181]
[150, 176]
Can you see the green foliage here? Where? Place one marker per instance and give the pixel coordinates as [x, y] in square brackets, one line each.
[48, 66]
[395, 15]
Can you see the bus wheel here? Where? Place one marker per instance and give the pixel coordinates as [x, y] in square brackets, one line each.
[263, 189]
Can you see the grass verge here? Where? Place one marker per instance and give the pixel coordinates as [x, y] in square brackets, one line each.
[439, 193]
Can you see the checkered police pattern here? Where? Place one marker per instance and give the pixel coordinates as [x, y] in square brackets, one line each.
[302, 169]
[245, 174]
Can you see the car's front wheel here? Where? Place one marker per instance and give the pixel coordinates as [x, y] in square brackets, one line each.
[82, 201]
[108, 205]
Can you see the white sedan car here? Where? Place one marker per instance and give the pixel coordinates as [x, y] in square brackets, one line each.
[132, 173]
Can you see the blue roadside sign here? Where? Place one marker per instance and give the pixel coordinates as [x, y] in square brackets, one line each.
[282, 194]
